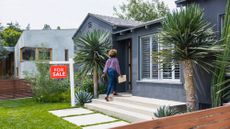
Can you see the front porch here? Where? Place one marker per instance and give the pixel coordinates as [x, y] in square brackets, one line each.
[130, 108]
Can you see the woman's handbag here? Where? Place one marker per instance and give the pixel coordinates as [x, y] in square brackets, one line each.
[121, 78]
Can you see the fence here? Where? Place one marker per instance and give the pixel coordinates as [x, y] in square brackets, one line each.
[216, 118]
[11, 89]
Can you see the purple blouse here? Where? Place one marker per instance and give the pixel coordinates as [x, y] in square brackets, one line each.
[112, 63]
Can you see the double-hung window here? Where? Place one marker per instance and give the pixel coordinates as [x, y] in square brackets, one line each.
[151, 69]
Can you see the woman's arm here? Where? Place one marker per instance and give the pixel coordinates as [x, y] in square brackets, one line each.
[118, 67]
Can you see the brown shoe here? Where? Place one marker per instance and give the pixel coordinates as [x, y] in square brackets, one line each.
[107, 99]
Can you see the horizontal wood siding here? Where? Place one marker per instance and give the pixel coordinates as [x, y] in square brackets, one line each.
[216, 118]
[11, 89]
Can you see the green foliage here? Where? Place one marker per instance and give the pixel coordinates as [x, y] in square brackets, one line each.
[189, 36]
[190, 40]
[92, 50]
[3, 51]
[164, 111]
[91, 54]
[83, 97]
[46, 89]
[85, 83]
[29, 114]
[220, 86]
[11, 34]
[140, 10]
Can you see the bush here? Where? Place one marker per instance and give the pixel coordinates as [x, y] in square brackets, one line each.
[85, 83]
[48, 90]
[83, 97]
[165, 111]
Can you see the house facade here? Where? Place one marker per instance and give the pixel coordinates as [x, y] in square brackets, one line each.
[33, 45]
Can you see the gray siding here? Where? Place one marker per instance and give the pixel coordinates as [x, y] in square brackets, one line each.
[212, 10]
[160, 90]
[57, 40]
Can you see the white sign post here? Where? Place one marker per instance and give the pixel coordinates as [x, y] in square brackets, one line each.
[71, 76]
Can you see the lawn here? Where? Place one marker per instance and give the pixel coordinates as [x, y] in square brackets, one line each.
[28, 114]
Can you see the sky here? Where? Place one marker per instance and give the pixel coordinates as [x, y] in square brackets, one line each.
[63, 13]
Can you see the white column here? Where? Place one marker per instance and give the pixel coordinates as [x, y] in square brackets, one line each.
[71, 70]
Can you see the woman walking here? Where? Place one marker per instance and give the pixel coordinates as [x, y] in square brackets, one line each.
[112, 68]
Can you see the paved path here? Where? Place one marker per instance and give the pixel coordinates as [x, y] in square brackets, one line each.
[88, 119]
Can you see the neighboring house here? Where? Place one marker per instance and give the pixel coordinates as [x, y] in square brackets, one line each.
[135, 43]
[57, 45]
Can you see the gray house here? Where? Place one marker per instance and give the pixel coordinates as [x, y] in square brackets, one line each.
[57, 45]
[136, 41]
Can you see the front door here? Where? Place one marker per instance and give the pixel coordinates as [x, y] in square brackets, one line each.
[124, 48]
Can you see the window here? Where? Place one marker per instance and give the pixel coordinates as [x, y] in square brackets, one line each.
[66, 55]
[151, 69]
[27, 54]
[30, 54]
[221, 22]
[44, 53]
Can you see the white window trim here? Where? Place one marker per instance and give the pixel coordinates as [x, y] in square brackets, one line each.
[160, 71]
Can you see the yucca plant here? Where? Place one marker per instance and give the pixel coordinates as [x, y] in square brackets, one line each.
[164, 111]
[91, 54]
[83, 97]
[192, 41]
[220, 89]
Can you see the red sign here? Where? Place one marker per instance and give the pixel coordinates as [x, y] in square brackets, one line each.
[58, 71]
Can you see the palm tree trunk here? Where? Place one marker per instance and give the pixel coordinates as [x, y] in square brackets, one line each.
[95, 82]
[189, 85]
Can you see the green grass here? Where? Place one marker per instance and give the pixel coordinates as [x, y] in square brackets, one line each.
[28, 114]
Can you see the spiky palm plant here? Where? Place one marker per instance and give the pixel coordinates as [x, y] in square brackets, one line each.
[83, 97]
[164, 111]
[191, 40]
[219, 86]
[91, 54]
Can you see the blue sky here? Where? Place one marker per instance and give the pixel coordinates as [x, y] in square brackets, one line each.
[64, 13]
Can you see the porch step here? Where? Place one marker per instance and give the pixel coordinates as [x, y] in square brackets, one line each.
[130, 108]
[123, 105]
[119, 113]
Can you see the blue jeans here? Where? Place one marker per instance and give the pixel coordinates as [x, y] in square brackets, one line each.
[112, 81]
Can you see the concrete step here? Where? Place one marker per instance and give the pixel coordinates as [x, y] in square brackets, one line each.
[123, 114]
[144, 102]
[126, 106]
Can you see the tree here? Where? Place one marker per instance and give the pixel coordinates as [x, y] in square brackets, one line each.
[140, 10]
[46, 27]
[11, 34]
[192, 42]
[3, 51]
[91, 54]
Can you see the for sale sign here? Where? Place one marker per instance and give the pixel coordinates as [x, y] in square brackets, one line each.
[58, 71]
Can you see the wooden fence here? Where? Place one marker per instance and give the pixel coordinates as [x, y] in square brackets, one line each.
[216, 118]
[11, 89]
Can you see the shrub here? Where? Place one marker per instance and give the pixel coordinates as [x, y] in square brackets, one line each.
[83, 97]
[45, 89]
[165, 111]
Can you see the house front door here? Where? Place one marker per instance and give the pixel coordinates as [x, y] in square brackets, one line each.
[124, 48]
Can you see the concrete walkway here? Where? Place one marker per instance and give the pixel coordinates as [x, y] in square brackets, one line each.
[88, 119]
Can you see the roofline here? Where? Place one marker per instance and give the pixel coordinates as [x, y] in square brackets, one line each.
[159, 20]
[50, 29]
[88, 15]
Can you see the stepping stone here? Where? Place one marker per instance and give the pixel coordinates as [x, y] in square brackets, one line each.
[70, 112]
[89, 119]
[107, 126]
